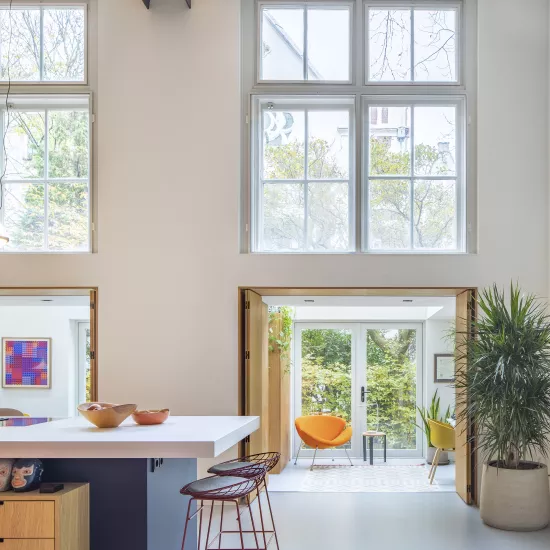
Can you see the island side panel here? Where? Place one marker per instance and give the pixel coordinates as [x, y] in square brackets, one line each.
[118, 498]
[166, 507]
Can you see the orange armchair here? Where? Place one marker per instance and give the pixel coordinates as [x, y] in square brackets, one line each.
[322, 432]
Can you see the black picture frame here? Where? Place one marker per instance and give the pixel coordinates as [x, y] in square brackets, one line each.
[437, 378]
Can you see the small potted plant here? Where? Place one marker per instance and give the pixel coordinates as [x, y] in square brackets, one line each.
[432, 413]
[505, 391]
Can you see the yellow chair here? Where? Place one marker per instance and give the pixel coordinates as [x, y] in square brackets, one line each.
[442, 437]
[322, 432]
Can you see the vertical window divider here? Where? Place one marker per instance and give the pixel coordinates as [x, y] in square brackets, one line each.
[41, 43]
[306, 179]
[3, 161]
[46, 175]
[411, 222]
[306, 10]
[412, 46]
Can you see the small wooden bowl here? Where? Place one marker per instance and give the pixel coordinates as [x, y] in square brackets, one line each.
[109, 417]
[149, 418]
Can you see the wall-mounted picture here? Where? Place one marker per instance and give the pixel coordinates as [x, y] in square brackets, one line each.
[26, 363]
[444, 367]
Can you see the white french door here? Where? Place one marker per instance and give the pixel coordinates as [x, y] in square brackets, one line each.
[370, 374]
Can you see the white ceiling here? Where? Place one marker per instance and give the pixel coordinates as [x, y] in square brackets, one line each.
[39, 301]
[382, 307]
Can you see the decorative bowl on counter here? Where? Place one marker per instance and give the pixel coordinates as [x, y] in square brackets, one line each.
[106, 415]
[149, 418]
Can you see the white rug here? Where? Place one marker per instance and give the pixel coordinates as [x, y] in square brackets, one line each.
[368, 479]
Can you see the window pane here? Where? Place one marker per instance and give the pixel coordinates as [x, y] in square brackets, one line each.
[68, 216]
[435, 214]
[68, 139]
[328, 44]
[328, 144]
[389, 216]
[327, 372]
[435, 140]
[24, 216]
[435, 45]
[389, 45]
[25, 145]
[20, 44]
[391, 382]
[282, 48]
[64, 44]
[284, 148]
[390, 144]
[328, 216]
[283, 216]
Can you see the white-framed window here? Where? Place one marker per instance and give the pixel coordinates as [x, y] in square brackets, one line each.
[45, 200]
[381, 95]
[43, 43]
[46, 86]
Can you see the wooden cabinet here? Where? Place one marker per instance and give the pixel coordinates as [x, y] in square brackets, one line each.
[42, 521]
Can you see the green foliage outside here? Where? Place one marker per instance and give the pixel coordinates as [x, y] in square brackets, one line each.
[67, 223]
[391, 379]
[434, 206]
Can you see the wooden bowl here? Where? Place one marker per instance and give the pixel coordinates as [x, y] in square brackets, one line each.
[111, 416]
[149, 418]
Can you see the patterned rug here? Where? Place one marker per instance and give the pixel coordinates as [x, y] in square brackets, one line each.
[368, 479]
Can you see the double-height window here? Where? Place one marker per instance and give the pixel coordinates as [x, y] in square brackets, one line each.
[45, 120]
[358, 126]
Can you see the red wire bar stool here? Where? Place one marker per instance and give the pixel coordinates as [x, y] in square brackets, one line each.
[250, 467]
[220, 489]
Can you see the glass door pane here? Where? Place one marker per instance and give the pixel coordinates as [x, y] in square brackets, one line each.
[393, 380]
[324, 371]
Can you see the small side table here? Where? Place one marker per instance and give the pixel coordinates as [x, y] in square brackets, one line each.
[371, 436]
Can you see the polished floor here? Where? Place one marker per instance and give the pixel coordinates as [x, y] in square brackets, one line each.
[396, 475]
[408, 521]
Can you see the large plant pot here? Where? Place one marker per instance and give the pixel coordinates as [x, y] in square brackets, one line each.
[443, 457]
[515, 500]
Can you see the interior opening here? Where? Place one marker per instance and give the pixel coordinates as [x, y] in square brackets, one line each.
[48, 352]
[384, 365]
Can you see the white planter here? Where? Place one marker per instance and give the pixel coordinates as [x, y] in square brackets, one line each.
[443, 457]
[515, 500]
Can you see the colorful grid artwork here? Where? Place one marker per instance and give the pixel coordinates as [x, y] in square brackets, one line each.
[26, 362]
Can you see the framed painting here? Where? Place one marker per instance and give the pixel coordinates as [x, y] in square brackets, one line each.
[26, 363]
[444, 368]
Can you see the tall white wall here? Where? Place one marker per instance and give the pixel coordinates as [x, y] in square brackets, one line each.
[168, 263]
[45, 322]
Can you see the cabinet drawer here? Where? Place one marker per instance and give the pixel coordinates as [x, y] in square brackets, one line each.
[26, 520]
[26, 544]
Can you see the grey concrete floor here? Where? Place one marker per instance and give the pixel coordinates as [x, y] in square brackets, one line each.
[398, 521]
[381, 521]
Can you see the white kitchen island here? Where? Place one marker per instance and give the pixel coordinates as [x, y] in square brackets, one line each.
[135, 472]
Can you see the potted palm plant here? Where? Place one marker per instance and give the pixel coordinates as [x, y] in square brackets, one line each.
[505, 391]
[432, 413]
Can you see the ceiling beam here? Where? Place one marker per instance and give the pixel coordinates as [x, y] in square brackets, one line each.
[148, 3]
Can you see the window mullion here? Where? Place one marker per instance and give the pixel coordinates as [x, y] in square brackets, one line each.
[305, 53]
[41, 43]
[46, 173]
[412, 46]
[412, 180]
[306, 176]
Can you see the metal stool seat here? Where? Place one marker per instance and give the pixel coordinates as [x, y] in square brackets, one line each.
[250, 467]
[221, 489]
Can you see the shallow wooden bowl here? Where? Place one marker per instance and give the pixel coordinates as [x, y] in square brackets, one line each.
[109, 417]
[149, 418]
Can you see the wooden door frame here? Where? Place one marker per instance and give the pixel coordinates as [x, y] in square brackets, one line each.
[92, 292]
[439, 292]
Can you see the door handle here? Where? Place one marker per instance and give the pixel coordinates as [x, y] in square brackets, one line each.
[363, 393]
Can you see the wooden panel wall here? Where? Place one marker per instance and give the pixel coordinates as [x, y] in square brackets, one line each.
[279, 398]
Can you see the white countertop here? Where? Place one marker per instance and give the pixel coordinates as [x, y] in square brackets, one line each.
[178, 437]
